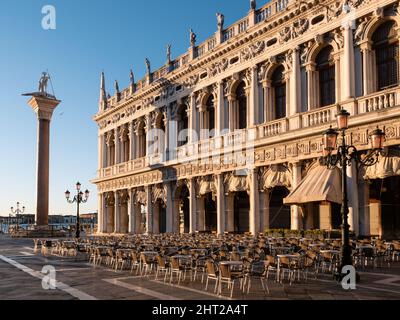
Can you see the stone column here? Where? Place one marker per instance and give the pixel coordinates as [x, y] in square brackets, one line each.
[192, 207]
[288, 86]
[101, 151]
[122, 145]
[192, 115]
[149, 211]
[169, 209]
[132, 212]
[295, 85]
[232, 117]
[352, 187]
[264, 205]
[311, 85]
[201, 214]
[202, 122]
[165, 151]
[268, 112]
[253, 101]
[369, 78]
[230, 212]
[117, 210]
[254, 203]
[220, 114]
[296, 210]
[220, 204]
[100, 216]
[156, 218]
[349, 64]
[43, 107]
[337, 79]
[117, 147]
[132, 140]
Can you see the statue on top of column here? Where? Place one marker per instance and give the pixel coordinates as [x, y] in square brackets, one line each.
[168, 53]
[43, 83]
[42, 89]
[253, 4]
[192, 38]
[148, 67]
[220, 20]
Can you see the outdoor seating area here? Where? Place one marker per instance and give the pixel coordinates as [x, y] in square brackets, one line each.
[228, 264]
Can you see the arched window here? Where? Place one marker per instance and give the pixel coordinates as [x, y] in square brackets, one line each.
[242, 106]
[386, 46]
[326, 73]
[141, 138]
[279, 93]
[210, 115]
[183, 125]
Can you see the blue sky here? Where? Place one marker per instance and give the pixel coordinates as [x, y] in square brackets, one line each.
[91, 36]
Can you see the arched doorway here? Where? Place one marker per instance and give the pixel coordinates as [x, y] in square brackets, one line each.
[241, 212]
[384, 197]
[182, 208]
[210, 208]
[278, 212]
[161, 217]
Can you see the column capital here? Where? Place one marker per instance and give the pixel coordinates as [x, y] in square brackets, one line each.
[43, 107]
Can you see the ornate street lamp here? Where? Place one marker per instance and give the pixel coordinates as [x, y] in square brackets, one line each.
[17, 212]
[79, 198]
[343, 157]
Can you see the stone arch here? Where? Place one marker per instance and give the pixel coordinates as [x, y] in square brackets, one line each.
[375, 23]
[316, 48]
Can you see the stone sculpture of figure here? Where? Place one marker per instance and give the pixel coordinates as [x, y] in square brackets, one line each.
[220, 19]
[168, 53]
[132, 77]
[192, 38]
[148, 66]
[253, 4]
[116, 86]
[43, 83]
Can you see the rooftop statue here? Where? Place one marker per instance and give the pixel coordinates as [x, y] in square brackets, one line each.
[192, 38]
[220, 20]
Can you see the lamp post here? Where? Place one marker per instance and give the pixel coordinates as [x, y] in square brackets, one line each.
[343, 158]
[79, 198]
[17, 212]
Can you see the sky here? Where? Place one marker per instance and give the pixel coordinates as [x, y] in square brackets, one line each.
[90, 36]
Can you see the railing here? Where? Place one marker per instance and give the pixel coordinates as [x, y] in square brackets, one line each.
[319, 116]
[379, 101]
[271, 129]
[228, 34]
[281, 5]
[201, 50]
[264, 14]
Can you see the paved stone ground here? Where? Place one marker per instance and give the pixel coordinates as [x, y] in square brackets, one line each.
[21, 279]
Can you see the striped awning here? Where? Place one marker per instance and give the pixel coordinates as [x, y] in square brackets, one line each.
[320, 184]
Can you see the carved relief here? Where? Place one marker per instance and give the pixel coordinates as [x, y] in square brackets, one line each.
[252, 51]
[292, 32]
[218, 67]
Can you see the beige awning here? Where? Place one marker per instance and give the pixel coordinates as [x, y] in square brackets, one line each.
[207, 187]
[276, 176]
[385, 168]
[320, 184]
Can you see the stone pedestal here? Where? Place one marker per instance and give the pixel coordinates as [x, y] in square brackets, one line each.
[44, 108]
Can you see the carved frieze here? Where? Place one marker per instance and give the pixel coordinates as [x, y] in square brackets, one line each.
[252, 51]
